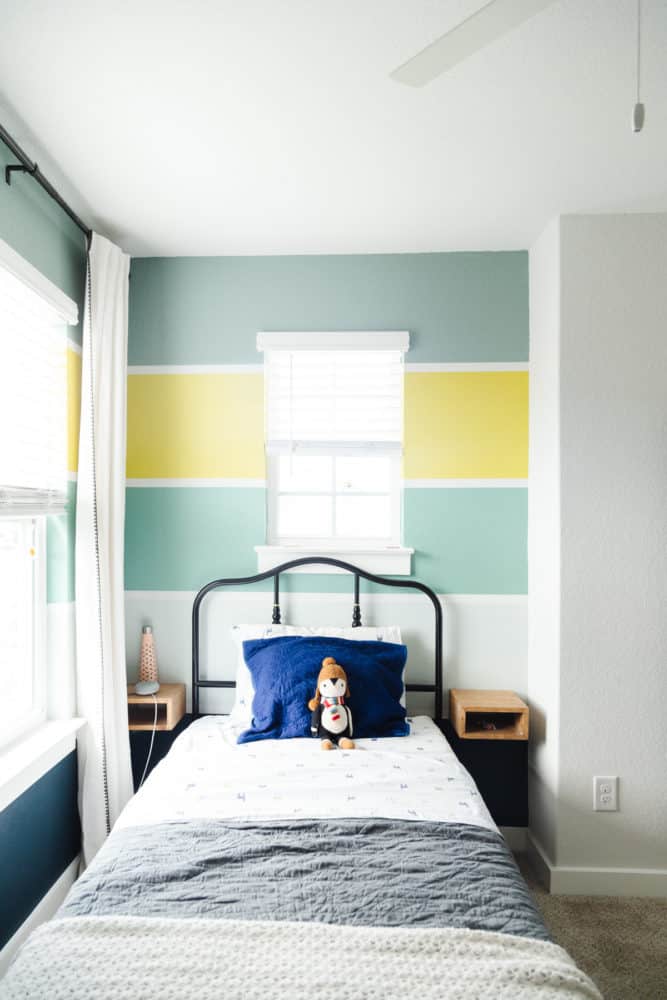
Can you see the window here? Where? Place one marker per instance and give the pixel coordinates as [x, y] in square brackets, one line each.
[33, 475]
[334, 435]
[22, 624]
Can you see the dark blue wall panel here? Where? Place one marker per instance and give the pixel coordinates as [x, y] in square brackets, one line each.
[39, 837]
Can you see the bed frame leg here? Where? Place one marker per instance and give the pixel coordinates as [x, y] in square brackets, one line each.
[275, 617]
[356, 608]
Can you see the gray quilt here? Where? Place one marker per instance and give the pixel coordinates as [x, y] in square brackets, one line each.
[366, 872]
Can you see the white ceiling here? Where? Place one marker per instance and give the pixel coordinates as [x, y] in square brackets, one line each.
[271, 126]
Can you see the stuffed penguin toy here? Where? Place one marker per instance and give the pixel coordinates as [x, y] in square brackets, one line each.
[331, 720]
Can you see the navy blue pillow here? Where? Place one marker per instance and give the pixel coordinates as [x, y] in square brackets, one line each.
[284, 674]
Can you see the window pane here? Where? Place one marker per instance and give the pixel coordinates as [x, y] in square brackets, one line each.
[16, 621]
[363, 475]
[304, 473]
[304, 517]
[363, 517]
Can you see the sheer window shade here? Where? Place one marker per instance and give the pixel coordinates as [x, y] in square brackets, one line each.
[33, 396]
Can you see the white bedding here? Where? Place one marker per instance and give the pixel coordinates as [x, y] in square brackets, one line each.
[207, 775]
[134, 958]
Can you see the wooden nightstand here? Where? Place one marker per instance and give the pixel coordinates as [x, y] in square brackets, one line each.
[170, 708]
[496, 758]
[172, 720]
[488, 715]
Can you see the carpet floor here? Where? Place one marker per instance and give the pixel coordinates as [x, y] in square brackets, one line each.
[620, 942]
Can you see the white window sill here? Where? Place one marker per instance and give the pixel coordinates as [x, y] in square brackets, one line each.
[394, 561]
[24, 761]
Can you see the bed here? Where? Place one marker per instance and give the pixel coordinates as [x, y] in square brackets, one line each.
[272, 868]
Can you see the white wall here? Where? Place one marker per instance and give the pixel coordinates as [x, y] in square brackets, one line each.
[543, 670]
[610, 348]
[484, 635]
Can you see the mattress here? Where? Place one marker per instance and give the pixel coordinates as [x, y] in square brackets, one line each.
[253, 831]
[207, 775]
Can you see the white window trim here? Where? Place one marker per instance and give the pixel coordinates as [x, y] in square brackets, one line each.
[385, 561]
[327, 340]
[22, 269]
[26, 760]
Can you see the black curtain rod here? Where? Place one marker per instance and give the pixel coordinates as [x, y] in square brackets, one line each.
[26, 166]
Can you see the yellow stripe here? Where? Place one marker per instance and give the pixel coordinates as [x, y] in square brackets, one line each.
[195, 426]
[466, 425]
[73, 408]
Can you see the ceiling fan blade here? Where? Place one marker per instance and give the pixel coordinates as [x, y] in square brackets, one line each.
[484, 26]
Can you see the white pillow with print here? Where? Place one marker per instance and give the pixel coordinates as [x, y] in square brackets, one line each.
[241, 713]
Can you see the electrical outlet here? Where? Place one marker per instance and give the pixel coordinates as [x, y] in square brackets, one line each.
[605, 794]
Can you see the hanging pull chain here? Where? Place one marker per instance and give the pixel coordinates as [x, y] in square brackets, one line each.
[638, 112]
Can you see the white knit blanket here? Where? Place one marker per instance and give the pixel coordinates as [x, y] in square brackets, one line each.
[138, 958]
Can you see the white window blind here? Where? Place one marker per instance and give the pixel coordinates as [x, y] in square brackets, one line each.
[344, 399]
[33, 398]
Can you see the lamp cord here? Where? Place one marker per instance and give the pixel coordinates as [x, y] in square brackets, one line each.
[150, 749]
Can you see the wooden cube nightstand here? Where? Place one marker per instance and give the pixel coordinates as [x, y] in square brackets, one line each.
[496, 758]
[488, 715]
[170, 708]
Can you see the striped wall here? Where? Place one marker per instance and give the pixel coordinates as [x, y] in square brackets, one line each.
[196, 498]
[195, 466]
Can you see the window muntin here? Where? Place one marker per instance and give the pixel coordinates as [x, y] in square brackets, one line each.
[321, 501]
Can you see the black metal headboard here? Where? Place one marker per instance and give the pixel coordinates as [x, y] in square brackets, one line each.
[385, 581]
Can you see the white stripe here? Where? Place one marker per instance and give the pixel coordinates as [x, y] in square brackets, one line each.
[72, 477]
[463, 484]
[408, 484]
[260, 597]
[73, 346]
[468, 366]
[484, 636]
[195, 369]
[254, 369]
[205, 483]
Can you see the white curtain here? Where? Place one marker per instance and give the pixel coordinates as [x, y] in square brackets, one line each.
[105, 778]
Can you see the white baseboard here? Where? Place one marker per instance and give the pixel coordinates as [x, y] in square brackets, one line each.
[574, 880]
[44, 910]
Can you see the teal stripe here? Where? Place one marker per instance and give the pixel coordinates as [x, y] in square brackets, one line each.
[32, 861]
[467, 540]
[39, 230]
[180, 539]
[60, 534]
[458, 307]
